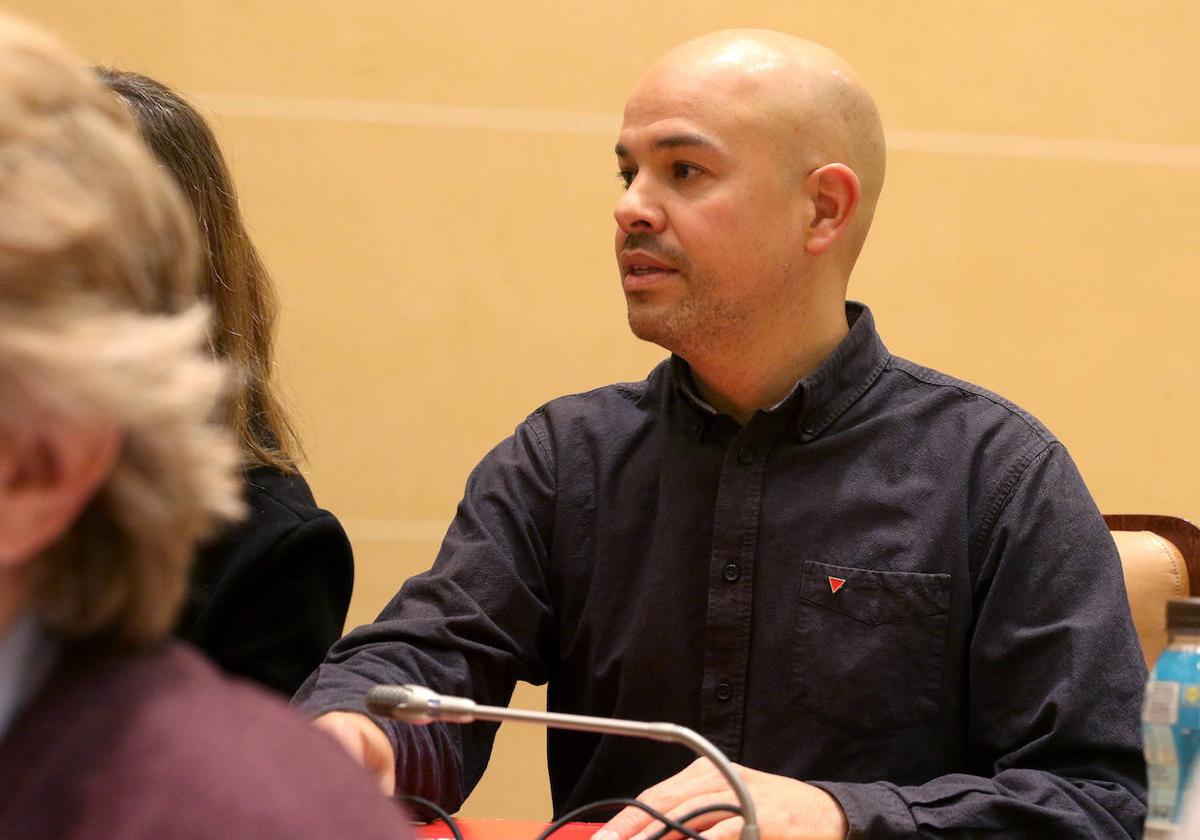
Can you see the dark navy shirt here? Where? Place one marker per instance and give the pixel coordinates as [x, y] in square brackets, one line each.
[893, 584]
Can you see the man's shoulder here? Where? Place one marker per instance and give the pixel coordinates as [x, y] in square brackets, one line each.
[177, 684]
[961, 401]
[613, 403]
[163, 737]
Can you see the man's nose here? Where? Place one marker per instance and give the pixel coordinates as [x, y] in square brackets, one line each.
[638, 208]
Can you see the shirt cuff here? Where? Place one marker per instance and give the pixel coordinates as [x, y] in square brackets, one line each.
[342, 693]
[875, 810]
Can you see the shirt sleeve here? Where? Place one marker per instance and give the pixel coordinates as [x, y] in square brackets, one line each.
[471, 626]
[1054, 680]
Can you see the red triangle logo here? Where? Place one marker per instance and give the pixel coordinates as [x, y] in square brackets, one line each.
[836, 583]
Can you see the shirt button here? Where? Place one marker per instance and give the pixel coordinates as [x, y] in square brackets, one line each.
[698, 427]
[745, 456]
[724, 691]
[732, 572]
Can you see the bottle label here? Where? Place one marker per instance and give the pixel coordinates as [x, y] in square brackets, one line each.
[1162, 703]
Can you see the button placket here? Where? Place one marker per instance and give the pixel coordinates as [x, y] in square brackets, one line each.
[730, 593]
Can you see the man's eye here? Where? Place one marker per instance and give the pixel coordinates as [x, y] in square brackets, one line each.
[684, 171]
[626, 176]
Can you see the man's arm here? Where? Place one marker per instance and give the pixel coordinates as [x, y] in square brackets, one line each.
[1054, 684]
[1054, 687]
[473, 625]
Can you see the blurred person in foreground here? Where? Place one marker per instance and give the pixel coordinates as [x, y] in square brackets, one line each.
[112, 465]
[269, 594]
[883, 591]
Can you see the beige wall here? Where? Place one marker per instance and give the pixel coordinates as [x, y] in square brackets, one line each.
[432, 186]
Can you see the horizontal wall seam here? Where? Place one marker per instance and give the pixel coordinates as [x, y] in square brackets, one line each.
[1044, 148]
[409, 114]
[372, 112]
[395, 530]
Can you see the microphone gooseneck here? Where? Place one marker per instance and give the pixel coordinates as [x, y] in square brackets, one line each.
[419, 705]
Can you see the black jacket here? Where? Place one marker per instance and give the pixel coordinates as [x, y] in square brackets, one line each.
[270, 594]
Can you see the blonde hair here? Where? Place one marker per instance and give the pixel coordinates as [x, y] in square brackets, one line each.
[99, 323]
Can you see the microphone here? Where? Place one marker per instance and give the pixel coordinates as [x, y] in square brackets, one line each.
[419, 705]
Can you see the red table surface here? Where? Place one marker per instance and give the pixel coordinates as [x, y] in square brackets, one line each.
[479, 829]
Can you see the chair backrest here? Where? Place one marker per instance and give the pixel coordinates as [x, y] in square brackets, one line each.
[1160, 556]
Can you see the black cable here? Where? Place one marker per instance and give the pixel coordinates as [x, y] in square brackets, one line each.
[691, 815]
[437, 810]
[585, 810]
[668, 823]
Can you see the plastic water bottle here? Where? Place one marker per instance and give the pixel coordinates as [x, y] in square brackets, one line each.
[1171, 718]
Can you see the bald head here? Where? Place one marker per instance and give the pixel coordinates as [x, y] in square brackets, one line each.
[804, 97]
[752, 162]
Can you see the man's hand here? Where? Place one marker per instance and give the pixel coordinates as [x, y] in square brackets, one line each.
[787, 809]
[365, 742]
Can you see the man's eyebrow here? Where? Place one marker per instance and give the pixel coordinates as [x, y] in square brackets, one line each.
[671, 141]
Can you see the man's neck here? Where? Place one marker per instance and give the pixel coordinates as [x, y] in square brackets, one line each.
[747, 375]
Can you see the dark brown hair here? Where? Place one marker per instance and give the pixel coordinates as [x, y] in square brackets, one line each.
[235, 280]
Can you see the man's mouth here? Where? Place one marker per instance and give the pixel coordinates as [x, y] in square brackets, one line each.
[640, 274]
[642, 270]
[639, 268]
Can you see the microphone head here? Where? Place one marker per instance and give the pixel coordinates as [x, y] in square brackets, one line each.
[401, 702]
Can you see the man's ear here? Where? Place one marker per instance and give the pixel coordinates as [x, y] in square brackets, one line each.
[47, 476]
[836, 191]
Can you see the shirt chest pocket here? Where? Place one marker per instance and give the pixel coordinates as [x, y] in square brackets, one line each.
[870, 646]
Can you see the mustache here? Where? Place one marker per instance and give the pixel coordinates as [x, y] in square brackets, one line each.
[648, 242]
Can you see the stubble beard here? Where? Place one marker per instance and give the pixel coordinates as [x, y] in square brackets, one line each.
[696, 324]
[696, 321]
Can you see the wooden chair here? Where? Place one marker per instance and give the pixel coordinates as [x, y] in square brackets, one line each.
[1160, 556]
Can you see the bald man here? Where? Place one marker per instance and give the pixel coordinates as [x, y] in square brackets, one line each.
[885, 592]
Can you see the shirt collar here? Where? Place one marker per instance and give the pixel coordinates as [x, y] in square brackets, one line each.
[819, 398]
[681, 377]
[27, 656]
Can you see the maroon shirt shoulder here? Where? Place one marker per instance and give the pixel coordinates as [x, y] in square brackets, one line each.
[160, 745]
